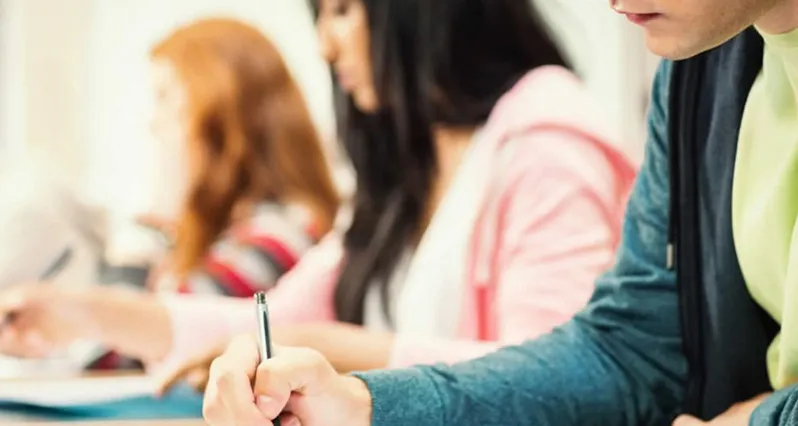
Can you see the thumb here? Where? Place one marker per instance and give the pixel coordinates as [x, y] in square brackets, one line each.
[168, 377]
[685, 420]
[292, 371]
[165, 380]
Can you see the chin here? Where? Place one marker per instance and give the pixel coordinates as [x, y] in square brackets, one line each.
[365, 102]
[673, 48]
[685, 45]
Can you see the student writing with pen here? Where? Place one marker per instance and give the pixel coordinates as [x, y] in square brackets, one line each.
[254, 193]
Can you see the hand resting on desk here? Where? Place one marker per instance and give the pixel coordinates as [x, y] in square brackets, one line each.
[42, 318]
[37, 320]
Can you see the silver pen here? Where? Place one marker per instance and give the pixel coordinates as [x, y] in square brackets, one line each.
[264, 332]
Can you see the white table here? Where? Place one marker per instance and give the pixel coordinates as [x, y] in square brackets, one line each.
[7, 418]
[15, 418]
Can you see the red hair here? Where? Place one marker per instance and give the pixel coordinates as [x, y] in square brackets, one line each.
[250, 133]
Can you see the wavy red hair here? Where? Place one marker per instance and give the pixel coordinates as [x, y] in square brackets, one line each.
[250, 133]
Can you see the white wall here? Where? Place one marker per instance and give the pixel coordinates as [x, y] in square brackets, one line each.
[12, 76]
[43, 82]
[42, 86]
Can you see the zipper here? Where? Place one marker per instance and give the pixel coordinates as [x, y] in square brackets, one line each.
[684, 251]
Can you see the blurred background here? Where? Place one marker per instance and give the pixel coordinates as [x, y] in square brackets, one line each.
[75, 103]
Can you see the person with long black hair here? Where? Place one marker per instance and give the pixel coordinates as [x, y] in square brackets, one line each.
[488, 194]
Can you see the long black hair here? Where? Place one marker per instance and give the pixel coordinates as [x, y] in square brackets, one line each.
[436, 62]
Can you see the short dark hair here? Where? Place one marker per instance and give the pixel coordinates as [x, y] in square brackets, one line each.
[435, 62]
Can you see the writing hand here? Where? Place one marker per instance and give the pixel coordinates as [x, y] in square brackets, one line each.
[299, 383]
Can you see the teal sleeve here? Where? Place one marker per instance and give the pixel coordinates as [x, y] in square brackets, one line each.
[619, 362]
[779, 409]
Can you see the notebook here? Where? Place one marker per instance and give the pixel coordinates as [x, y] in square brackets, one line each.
[65, 392]
[94, 398]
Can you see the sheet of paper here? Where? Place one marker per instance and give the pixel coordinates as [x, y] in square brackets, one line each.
[69, 362]
[65, 392]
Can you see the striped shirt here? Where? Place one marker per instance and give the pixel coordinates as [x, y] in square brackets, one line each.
[252, 255]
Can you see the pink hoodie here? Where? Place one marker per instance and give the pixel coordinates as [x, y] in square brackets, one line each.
[549, 224]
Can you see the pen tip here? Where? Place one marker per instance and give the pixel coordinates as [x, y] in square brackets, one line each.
[260, 297]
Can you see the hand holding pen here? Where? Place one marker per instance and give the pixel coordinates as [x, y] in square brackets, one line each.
[298, 386]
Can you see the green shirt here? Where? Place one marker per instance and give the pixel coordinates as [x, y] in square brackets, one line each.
[765, 199]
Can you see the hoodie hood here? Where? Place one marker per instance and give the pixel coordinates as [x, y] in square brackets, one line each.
[553, 96]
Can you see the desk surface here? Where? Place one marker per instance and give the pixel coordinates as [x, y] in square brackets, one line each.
[181, 403]
[7, 419]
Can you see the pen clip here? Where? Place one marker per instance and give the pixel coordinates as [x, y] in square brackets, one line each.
[57, 265]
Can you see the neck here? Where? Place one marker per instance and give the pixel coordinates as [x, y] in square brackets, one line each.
[449, 140]
[781, 18]
[450, 144]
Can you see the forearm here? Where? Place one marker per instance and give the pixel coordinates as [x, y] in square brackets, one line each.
[347, 347]
[132, 323]
[561, 379]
